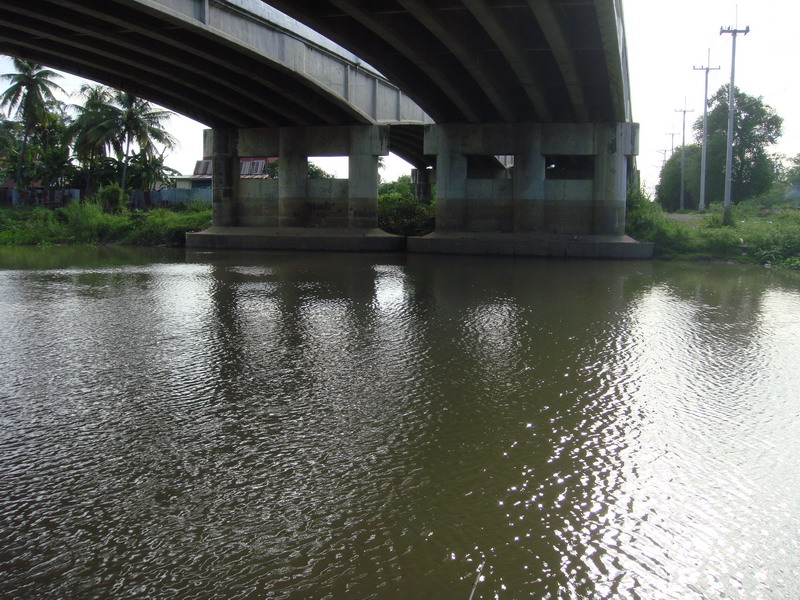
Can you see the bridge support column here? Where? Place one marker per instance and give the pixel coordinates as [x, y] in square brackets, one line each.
[225, 177]
[362, 186]
[292, 178]
[528, 180]
[296, 212]
[565, 197]
[613, 143]
[451, 175]
[421, 179]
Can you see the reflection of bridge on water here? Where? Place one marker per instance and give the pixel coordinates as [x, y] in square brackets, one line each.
[458, 84]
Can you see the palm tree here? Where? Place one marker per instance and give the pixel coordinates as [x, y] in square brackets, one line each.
[119, 121]
[91, 130]
[30, 93]
[136, 121]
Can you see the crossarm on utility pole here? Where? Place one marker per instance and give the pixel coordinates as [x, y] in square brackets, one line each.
[726, 218]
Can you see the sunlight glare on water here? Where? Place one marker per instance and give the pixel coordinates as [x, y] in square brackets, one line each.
[271, 425]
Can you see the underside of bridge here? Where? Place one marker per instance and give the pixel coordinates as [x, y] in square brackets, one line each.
[167, 59]
[488, 61]
[543, 83]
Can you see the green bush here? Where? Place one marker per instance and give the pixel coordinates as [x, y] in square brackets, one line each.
[643, 217]
[163, 227]
[194, 205]
[112, 198]
[88, 224]
[645, 221]
[404, 214]
[719, 241]
[782, 245]
[27, 226]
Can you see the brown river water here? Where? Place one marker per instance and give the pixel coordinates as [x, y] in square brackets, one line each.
[302, 426]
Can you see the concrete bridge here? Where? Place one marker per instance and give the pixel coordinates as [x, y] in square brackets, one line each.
[458, 82]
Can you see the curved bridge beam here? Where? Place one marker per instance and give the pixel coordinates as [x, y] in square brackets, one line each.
[481, 61]
[221, 62]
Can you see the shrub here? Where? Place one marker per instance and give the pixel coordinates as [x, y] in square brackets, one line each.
[780, 245]
[112, 198]
[720, 241]
[643, 217]
[404, 214]
[163, 227]
[88, 223]
[28, 226]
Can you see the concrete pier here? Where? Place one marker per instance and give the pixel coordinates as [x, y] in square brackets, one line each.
[294, 211]
[563, 194]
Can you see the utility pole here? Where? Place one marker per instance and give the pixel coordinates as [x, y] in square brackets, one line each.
[683, 152]
[707, 68]
[726, 218]
[663, 153]
[672, 135]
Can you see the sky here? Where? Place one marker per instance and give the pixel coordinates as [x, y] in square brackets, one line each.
[665, 40]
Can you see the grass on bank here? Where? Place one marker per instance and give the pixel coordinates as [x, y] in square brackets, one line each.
[90, 223]
[761, 233]
[103, 219]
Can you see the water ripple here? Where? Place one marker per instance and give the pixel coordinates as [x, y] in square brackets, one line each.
[355, 427]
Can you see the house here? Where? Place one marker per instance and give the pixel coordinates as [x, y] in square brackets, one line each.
[249, 168]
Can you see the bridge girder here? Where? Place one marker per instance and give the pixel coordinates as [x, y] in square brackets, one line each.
[174, 60]
[488, 60]
[474, 61]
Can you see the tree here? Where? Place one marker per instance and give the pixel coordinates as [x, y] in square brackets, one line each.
[31, 91]
[9, 147]
[668, 190]
[402, 186]
[314, 171]
[138, 122]
[757, 127]
[50, 144]
[121, 122]
[148, 172]
[92, 136]
[792, 172]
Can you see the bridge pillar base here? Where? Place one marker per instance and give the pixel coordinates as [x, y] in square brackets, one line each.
[530, 244]
[225, 177]
[296, 238]
[278, 207]
[565, 178]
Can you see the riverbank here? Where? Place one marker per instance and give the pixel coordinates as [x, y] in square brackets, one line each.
[768, 235]
[760, 235]
[89, 224]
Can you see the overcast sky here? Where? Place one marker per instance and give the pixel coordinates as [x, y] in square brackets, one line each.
[665, 41]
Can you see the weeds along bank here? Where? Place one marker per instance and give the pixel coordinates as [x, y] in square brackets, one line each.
[762, 233]
[92, 222]
[104, 219]
[88, 224]
[101, 219]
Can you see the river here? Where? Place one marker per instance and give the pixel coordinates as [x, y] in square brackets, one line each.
[300, 426]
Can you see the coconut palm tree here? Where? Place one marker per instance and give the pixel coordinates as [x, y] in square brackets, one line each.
[92, 132]
[119, 121]
[30, 92]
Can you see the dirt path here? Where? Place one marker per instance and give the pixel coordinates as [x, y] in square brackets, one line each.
[689, 220]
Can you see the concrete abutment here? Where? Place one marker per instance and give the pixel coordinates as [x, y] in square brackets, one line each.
[563, 195]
